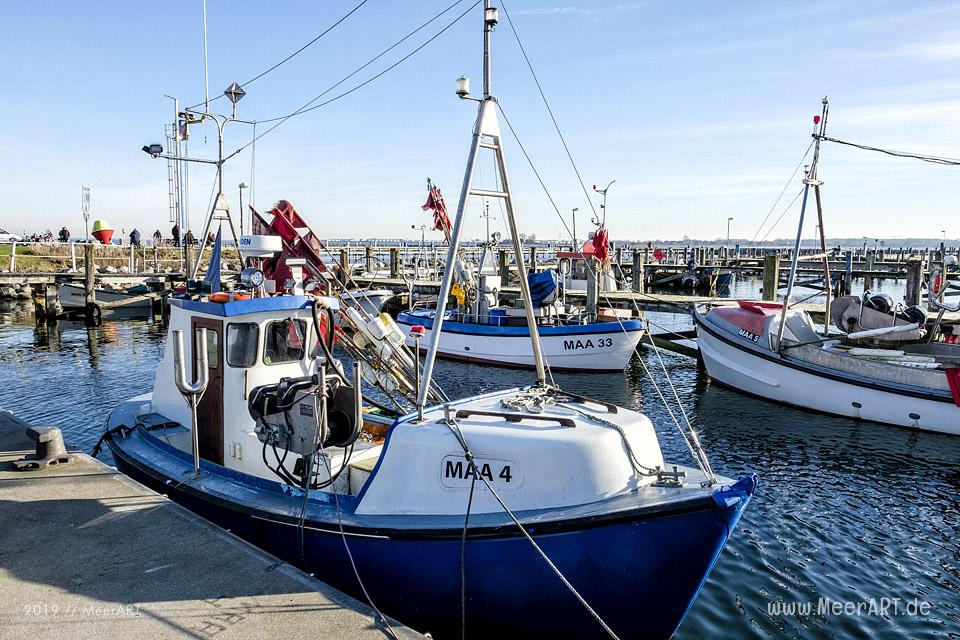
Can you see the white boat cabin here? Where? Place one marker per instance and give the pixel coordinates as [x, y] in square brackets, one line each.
[579, 445]
[574, 267]
[249, 343]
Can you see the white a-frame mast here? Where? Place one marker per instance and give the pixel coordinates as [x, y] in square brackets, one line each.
[486, 135]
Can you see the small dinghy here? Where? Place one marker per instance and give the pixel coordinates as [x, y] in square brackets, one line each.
[74, 296]
[531, 512]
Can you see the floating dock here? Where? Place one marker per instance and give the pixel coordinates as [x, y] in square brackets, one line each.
[89, 553]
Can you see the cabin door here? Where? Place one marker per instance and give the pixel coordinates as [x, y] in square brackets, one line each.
[210, 409]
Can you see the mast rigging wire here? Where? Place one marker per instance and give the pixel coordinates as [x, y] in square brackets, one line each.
[547, 105]
[779, 197]
[292, 55]
[899, 154]
[279, 120]
[692, 441]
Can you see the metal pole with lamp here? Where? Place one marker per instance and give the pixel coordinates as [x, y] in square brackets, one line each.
[603, 206]
[241, 187]
[86, 213]
[234, 92]
[729, 220]
[575, 209]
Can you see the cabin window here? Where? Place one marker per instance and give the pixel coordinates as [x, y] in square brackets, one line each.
[242, 342]
[284, 342]
[213, 349]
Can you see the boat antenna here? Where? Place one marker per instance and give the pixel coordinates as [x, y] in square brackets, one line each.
[206, 81]
[809, 180]
[486, 134]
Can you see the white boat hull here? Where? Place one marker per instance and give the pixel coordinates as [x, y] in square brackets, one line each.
[601, 351]
[73, 296]
[758, 376]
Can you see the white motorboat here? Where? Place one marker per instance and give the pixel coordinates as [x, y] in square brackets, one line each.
[883, 363]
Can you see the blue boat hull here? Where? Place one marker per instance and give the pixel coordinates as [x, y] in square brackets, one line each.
[641, 574]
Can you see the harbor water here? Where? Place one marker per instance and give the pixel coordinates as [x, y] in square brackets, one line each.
[853, 532]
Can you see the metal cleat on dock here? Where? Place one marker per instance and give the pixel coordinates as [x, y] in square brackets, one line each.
[50, 450]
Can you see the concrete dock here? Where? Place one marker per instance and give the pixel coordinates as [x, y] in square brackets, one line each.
[86, 552]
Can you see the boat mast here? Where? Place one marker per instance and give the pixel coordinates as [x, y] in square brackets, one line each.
[820, 128]
[486, 135]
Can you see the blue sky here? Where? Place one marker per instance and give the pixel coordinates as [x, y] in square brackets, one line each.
[699, 110]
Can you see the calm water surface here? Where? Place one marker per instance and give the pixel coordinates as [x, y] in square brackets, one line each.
[847, 512]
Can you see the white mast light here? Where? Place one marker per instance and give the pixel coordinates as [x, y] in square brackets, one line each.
[491, 16]
[463, 86]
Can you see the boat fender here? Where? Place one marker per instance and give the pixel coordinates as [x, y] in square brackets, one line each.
[94, 313]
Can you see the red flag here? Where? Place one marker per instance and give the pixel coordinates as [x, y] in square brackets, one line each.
[601, 248]
[436, 203]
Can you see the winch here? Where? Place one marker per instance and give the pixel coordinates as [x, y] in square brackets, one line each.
[304, 415]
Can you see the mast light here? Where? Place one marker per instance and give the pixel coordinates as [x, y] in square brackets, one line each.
[463, 86]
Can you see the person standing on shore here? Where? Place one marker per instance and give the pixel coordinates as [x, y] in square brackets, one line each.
[64, 235]
[175, 232]
[189, 239]
[135, 238]
[157, 238]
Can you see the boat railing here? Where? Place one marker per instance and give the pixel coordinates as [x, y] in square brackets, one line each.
[516, 417]
[501, 320]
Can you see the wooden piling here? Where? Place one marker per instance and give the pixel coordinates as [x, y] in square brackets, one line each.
[638, 272]
[848, 274]
[395, 262]
[871, 258]
[89, 274]
[188, 260]
[370, 263]
[771, 276]
[914, 279]
[504, 266]
[344, 263]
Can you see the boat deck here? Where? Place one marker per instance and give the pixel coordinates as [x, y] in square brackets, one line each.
[90, 553]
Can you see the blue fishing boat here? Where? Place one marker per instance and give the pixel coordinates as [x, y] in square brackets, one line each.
[530, 512]
[397, 522]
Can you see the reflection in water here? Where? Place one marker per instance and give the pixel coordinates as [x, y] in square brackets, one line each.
[845, 510]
